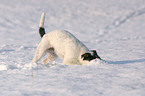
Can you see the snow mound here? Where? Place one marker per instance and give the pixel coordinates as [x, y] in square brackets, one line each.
[3, 67]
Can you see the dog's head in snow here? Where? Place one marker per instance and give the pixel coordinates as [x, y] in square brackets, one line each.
[91, 55]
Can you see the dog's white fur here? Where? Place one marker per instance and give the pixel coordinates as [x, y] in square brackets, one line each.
[60, 43]
[63, 44]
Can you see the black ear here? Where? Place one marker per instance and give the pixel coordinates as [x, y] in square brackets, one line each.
[95, 54]
[87, 56]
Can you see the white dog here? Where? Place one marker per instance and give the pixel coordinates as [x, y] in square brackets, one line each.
[61, 43]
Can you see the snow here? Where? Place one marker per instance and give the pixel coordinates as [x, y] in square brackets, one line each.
[115, 28]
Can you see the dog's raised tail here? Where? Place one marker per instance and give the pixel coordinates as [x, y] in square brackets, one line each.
[41, 25]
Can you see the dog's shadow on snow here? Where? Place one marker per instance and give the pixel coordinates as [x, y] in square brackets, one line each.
[126, 61]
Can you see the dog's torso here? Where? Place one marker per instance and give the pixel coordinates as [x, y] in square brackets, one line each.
[65, 45]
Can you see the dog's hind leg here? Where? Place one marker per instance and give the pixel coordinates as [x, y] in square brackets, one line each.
[40, 52]
[42, 49]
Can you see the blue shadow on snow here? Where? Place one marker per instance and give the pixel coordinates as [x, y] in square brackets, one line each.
[126, 61]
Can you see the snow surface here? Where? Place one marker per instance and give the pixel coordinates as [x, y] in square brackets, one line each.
[116, 28]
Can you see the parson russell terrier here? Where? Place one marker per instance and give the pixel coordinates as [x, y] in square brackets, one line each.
[62, 44]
